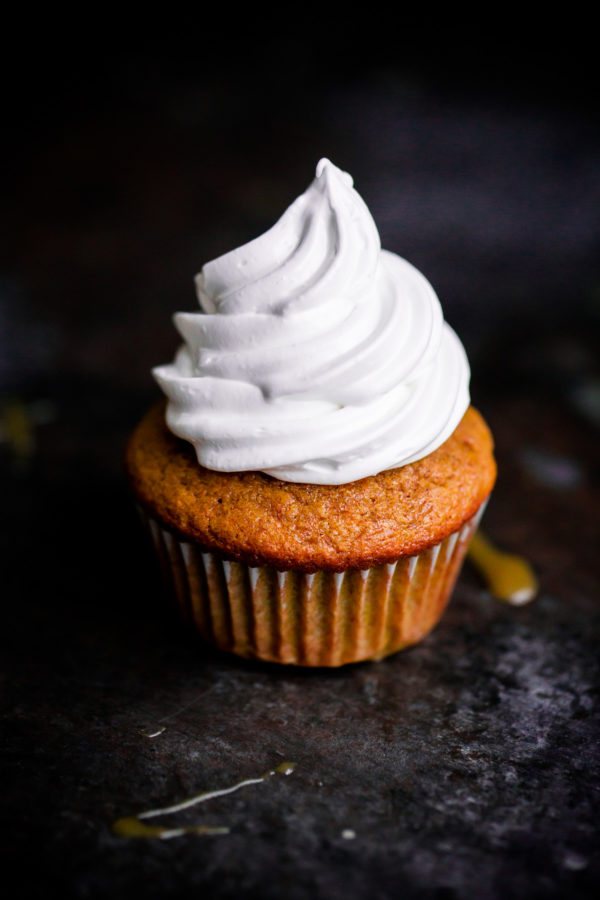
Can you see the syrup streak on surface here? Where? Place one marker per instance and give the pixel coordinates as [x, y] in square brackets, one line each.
[17, 428]
[133, 826]
[153, 734]
[509, 577]
[162, 728]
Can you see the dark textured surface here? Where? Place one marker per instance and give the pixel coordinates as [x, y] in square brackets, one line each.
[467, 767]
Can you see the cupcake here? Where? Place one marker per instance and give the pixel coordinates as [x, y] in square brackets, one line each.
[313, 480]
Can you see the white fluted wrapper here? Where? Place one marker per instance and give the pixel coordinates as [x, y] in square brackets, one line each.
[318, 619]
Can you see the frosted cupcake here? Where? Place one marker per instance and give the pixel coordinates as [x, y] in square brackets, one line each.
[314, 482]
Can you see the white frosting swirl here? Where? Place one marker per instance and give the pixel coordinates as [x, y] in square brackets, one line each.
[319, 357]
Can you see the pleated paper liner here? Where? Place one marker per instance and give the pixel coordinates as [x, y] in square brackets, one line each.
[320, 619]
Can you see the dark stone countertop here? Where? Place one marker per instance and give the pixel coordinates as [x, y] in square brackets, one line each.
[466, 767]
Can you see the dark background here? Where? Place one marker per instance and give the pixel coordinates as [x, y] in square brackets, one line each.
[468, 766]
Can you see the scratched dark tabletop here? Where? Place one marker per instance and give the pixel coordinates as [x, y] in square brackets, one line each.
[466, 767]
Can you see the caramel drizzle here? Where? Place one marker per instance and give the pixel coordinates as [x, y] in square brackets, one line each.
[130, 827]
[135, 827]
[153, 734]
[509, 577]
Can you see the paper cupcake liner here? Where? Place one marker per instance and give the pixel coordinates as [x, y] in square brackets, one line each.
[319, 619]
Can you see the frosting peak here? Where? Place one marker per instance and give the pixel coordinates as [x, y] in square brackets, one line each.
[319, 357]
[324, 247]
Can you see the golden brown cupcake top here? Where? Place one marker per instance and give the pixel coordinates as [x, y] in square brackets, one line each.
[254, 518]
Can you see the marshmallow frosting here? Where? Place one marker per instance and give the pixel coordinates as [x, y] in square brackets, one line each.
[318, 357]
